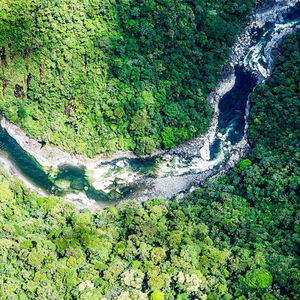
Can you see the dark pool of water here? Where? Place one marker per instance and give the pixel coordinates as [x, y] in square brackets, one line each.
[294, 13]
[233, 105]
[25, 163]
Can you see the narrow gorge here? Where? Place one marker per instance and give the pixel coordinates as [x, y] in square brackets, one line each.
[101, 181]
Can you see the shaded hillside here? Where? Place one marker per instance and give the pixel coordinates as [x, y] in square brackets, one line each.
[100, 76]
[236, 238]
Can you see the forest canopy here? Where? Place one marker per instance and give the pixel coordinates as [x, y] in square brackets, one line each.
[94, 76]
[237, 237]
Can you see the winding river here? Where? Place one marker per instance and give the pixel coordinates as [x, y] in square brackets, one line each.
[101, 182]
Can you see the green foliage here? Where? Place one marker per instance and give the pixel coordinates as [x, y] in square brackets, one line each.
[245, 163]
[258, 279]
[235, 238]
[16, 21]
[146, 145]
[157, 295]
[168, 137]
[101, 76]
[35, 259]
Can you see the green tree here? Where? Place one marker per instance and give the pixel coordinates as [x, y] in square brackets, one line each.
[16, 20]
[258, 279]
[157, 295]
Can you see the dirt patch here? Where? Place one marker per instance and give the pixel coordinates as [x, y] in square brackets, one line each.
[19, 91]
[3, 56]
[5, 83]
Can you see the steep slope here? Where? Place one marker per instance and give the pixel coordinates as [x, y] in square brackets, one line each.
[100, 76]
[236, 238]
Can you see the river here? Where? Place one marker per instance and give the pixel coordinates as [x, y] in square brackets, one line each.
[171, 173]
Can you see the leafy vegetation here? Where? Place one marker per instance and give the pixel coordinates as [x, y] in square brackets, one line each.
[100, 76]
[236, 238]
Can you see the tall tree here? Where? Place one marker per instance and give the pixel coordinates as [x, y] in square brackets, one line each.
[16, 20]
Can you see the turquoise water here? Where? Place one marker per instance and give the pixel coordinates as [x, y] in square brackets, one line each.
[25, 163]
[67, 179]
[39, 177]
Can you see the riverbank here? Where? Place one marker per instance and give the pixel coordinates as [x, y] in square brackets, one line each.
[13, 171]
[80, 200]
[268, 13]
[52, 157]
